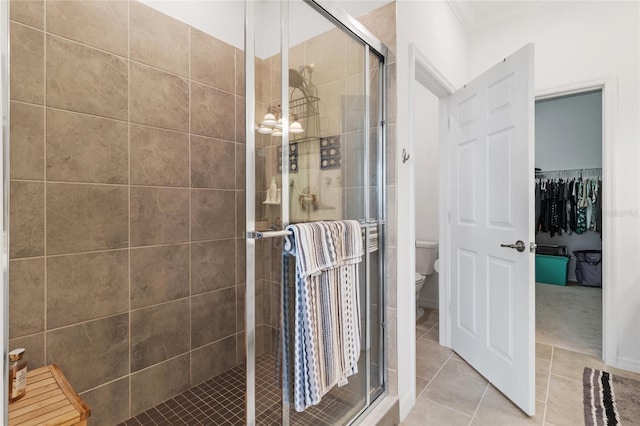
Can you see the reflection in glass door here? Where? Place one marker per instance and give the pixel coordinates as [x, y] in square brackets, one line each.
[314, 150]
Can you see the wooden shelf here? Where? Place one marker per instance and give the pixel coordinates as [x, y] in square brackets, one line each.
[50, 400]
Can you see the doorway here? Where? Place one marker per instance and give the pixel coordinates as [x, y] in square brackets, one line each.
[568, 222]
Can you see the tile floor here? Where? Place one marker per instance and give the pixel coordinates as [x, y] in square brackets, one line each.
[449, 392]
[221, 401]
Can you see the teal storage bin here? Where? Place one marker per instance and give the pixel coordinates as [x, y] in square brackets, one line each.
[552, 269]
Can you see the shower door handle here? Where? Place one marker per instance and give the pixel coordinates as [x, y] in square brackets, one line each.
[257, 235]
[519, 245]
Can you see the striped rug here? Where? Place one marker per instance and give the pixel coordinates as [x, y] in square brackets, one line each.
[610, 400]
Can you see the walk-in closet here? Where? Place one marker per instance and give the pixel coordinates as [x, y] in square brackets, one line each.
[568, 222]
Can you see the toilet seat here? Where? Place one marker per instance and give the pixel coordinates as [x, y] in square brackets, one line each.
[419, 277]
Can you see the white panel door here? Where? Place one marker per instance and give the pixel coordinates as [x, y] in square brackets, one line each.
[490, 139]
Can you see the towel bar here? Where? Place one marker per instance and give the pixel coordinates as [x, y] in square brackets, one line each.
[258, 235]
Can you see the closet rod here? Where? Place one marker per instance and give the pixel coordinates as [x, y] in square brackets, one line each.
[593, 171]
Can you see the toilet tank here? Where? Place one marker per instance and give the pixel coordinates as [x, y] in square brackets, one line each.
[426, 255]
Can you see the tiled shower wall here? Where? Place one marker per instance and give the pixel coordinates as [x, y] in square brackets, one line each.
[127, 171]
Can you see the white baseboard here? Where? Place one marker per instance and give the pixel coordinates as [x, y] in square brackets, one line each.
[628, 364]
[406, 404]
[429, 303]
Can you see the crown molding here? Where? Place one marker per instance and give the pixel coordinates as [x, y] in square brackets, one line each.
[477, 17]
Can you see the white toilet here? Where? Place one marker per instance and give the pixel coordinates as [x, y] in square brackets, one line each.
[426, 256]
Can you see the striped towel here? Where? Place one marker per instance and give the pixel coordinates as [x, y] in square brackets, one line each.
[327, 307]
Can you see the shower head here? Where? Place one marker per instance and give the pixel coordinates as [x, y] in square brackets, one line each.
[296, 80]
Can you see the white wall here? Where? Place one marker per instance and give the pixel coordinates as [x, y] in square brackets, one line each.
[580, 43]
[434, 29]
[569, 132]
[223, 19]
[425, 152]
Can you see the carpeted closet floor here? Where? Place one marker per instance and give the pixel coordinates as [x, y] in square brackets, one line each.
[569, 317]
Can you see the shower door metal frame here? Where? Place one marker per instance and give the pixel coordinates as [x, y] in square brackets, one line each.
[372, 45]
[4, 194]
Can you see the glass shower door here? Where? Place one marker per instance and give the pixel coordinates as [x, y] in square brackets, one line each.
[314, 150]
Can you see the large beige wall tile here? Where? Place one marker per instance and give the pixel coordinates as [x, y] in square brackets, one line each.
[391, 154]
[159, 216]
[212, 112]
[241, 214]
[27, 141]
[86, 217]
[241, 261]
[213, 163]
[91, 353]
[262, 75]
[159, 157]
[240, 119]
[159, 99]
[97, 23]
[26, 293]
[73, 280]
[212, 61]
[354, 103]
[87, 80]
[159, 40]
[212, 360]
[241, 294]
[331, 95]
[213, 316]
[30, 12]
[327, 52]
[272, 86]
[158, 333]
[27, 64]
[82, 148]
[382, 23]
[159, 274]
[241, 166]
[240, 70]
[374, 95]
[353, 149]
[212, 214]
[354, 57]
[213, 265]
[261, 293]
[109, 403]
[159, 383]
[34, 346]
[27, 219]
[354, 203]
[392, 105]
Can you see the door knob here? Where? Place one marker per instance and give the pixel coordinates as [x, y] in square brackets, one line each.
[519, 245]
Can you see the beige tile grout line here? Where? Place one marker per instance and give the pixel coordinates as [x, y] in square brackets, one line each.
[129, 411]
[546, 399]
[475, 413]
[450, 358]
